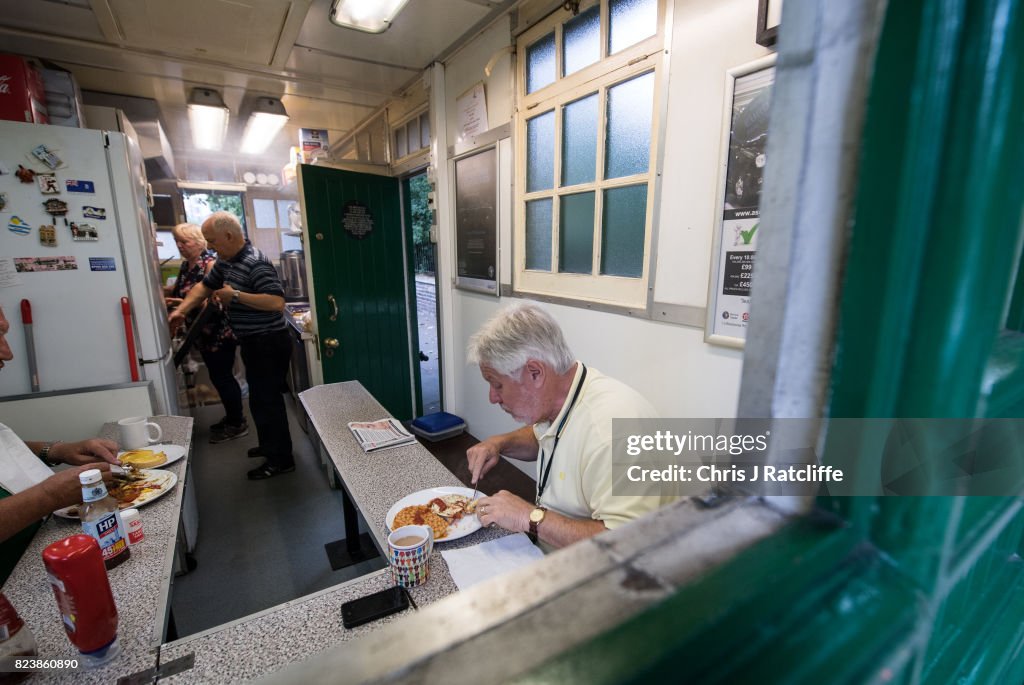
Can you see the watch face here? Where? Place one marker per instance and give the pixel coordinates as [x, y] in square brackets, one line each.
[537, 515]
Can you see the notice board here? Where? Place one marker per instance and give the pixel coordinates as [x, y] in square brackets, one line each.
[476, 221]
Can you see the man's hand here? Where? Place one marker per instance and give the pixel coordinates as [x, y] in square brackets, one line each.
[85, 452]
[225, 295]
[63, 488]
[172, 302]
[506, 510]
[176, 320]
[482, 457]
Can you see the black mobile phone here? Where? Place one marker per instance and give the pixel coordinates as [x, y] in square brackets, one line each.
[372, 607]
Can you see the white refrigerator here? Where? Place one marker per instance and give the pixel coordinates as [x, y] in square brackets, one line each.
[76, 258]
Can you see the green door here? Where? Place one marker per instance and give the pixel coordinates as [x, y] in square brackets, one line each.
[357, 249]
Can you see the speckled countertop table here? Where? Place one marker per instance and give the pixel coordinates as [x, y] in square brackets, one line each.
[270, 640]
[141, 585]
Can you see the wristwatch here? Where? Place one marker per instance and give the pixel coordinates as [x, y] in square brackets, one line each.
[44, 454]
[235, 296]
[536, 516]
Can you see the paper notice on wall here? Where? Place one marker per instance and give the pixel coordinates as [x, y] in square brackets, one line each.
[8, 274]
[472, 108]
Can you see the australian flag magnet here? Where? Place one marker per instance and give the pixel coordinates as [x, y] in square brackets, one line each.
[80, 186]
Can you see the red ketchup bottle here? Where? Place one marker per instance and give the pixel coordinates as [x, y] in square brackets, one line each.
[79, 579]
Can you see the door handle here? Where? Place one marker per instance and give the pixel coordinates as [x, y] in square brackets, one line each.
[334, 308]
[331, 343]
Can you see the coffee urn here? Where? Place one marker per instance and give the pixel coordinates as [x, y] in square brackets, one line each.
[293, 275]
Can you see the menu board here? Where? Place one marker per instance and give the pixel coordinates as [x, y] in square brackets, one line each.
[476, 222]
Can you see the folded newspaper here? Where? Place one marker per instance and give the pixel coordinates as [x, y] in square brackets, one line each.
[380, 434]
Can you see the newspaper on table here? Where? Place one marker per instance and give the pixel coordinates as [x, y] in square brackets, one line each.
[381, 434]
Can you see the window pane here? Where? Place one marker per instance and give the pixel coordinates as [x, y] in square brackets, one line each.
[414, 135]
[576, 234]
[579, 141]
[540, 152]
[581, 40]
[282, 214]
[538, 234]
[400, 147]
[266, 213]
[622, 231]
[540, 63]
[630, 21]
[424, 130]
[629, 127]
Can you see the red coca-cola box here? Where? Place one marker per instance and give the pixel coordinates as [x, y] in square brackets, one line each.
[22, 97]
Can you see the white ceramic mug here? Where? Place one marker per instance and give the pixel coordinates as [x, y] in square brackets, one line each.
[137, 433]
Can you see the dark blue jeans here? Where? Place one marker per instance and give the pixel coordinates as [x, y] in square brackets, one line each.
[267, 357]
[220, 365]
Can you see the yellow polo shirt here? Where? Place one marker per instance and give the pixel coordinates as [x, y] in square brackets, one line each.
[580, 481]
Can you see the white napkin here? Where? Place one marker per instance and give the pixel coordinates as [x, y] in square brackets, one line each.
[472, 565]
[19, 468]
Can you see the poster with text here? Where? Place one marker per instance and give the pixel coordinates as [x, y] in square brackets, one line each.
[739, 227]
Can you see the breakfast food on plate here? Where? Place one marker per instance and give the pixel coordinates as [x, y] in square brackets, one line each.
[133, 493]
[143, 459]
[450, 507]
[421, 515]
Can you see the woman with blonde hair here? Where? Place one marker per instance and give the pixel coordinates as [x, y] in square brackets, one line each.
[216, 342]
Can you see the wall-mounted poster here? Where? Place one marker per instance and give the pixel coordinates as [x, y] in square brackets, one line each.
[738, 221]
[476, 221]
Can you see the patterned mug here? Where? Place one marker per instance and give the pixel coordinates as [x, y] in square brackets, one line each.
[409, 549]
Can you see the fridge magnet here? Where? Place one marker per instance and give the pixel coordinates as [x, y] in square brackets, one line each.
[47, 184]
[46, 156]
[84, 232]
[25, 175]
[48, 235]
[3, 201]
[55, 207]
[94, 212]
[16, 225]
[102, 264]
[80, 186]
[30, 264]
[4, 169]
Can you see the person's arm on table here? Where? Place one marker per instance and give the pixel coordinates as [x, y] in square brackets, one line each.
[520, 444]
[78, 453]
[59, 490]
[513, 513]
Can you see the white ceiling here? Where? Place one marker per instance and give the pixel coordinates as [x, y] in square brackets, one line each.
[327, 76]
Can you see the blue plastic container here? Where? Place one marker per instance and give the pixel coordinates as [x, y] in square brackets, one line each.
[438, 426]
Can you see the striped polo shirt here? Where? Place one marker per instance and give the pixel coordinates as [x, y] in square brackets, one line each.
[249, 271]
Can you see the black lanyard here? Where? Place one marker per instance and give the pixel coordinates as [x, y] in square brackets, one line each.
[558, 436]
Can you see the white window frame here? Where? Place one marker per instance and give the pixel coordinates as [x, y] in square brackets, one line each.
[640, 58]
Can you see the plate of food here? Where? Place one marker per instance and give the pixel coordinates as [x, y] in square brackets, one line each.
[446, 510]
[151, 485]
[152, 457]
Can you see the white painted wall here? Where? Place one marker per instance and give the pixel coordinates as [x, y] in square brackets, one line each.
[670, 364]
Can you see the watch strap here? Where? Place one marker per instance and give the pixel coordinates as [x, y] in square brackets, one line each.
[44, 453]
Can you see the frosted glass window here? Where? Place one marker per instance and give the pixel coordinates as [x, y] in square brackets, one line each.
[540, 152]
[576, 234]
[630, 21]
[540, 63]
[622, 231]
[424, 130]
[266, 213]
[413, 128]
[627, 150]
[282, 213]
[579, 141]
[538, 234]
[581, 41]
[400, 143]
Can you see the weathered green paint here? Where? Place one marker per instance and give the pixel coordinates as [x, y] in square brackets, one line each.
[921, 589]
[368, 278]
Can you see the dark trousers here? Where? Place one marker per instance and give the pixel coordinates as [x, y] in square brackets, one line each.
[267, 358]
[220, 365]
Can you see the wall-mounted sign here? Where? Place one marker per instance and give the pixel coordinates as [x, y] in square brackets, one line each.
[476, 221]
[357, 220]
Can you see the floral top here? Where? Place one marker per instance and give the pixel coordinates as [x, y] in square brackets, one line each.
[215, 331]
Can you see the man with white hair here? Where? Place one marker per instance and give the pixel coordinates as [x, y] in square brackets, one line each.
[568, 410]
[247, 284]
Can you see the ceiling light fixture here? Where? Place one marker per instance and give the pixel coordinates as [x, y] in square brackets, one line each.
[267, 119]
[208, 116]
[371, 16]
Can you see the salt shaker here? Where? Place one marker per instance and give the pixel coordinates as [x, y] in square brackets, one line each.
[133, 524]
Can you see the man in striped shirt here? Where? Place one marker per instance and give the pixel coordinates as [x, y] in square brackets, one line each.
[246, 283]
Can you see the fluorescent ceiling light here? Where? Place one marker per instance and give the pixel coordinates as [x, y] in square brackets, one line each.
[208, 116]
[372, 16]
[267, 118]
